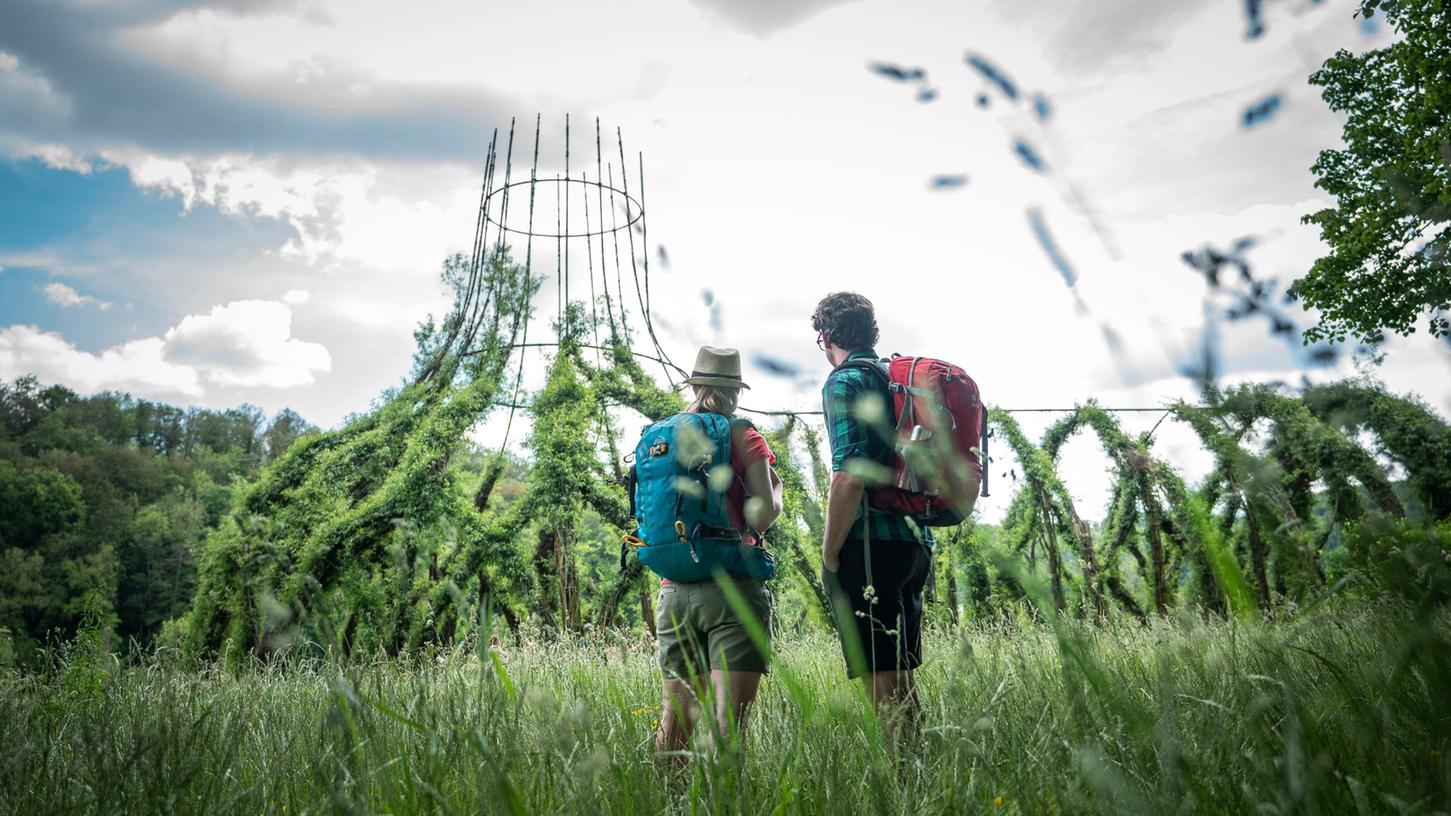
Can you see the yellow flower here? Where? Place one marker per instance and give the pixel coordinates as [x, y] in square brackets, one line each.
[1435, 753]
[997, 801]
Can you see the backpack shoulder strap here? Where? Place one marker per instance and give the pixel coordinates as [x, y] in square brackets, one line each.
[742, 424]
[877, 367]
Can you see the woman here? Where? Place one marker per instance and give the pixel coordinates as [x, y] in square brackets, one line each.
[701, 636]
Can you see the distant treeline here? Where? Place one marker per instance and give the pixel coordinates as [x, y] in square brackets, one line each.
[104, 501]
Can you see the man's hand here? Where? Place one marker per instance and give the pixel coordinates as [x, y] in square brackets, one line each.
[831, 562]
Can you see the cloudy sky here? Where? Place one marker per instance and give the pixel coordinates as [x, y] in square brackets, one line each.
[212, 202]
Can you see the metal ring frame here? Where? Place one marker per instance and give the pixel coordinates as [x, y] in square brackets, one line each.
[632, 207]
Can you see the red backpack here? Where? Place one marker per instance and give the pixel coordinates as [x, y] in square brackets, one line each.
[940, 423]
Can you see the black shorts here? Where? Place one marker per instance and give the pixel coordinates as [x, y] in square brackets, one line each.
[880, 624]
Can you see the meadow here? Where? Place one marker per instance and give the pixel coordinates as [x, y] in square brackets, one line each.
[1342, 709]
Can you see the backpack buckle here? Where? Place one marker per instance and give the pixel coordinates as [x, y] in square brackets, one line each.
[681, 531]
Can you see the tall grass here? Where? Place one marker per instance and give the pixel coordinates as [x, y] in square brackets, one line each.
[1341, 710]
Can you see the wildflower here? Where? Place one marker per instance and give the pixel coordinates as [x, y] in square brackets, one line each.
[998, 801]
[1435, 753]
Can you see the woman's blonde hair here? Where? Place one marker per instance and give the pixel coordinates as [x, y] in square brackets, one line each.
[713, 399]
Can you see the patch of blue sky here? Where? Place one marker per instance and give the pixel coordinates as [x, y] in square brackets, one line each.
[137, 249]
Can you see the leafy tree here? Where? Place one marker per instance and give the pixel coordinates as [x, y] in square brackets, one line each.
[44, 564]
[284, 429]
[1389, 235]
[158, 569]
[37, 502]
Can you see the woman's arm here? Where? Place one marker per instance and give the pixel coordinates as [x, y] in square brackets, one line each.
[763, 495]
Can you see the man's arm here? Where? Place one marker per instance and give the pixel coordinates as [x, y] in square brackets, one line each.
[850, 405]
[843, 502]
[763, 495]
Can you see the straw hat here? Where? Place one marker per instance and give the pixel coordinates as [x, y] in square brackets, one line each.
[720, 367]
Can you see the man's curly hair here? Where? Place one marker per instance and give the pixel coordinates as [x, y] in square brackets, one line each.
[848, 320]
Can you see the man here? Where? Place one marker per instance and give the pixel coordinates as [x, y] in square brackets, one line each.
[875, 563]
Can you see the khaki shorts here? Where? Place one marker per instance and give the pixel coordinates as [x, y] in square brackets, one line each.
[698, 630]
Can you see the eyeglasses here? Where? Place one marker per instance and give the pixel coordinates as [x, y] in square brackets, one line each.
[821, 340]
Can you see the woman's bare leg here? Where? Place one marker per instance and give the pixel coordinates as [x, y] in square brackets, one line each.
[735, 691]
[678, 713]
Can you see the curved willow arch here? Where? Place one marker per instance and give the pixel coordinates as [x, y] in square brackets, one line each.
[1408, 432]
[1298, 431]
[1055, 509]
[1139, 499]
[1256, 488]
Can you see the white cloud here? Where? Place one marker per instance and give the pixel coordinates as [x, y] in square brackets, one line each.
[68, 298]
[52, 155]
[244, 343]
[137, 366]
[296, 297]
[167, 174]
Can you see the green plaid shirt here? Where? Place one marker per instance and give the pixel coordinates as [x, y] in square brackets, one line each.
[859, 424]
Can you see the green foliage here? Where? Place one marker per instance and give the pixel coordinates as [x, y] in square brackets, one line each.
[795, 538]
[314, 539]
[1405, 430]
[1402, 559]
[1390, 230]
[39, 502]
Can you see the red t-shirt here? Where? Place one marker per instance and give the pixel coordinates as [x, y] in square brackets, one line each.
[748, 447]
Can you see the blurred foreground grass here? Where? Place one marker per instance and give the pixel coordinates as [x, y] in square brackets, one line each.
[1341, 710]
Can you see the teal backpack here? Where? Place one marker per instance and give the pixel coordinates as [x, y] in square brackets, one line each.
[677, 488]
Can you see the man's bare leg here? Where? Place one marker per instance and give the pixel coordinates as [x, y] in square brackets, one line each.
[894, 696]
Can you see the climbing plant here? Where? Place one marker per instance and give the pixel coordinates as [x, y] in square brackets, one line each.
[1291, 480]
[313, 534]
